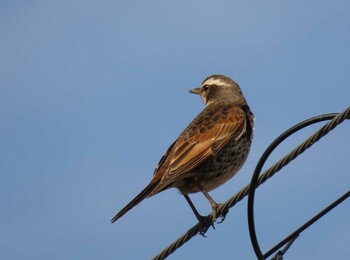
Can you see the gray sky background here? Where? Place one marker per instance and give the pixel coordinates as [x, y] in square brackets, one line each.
[93, 92]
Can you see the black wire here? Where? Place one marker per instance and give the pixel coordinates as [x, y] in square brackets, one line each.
[254, 180]
[296, 233]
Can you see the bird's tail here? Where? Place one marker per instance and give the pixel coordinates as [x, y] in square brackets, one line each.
[142, 195]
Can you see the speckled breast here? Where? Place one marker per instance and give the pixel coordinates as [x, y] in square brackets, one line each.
[218, 169]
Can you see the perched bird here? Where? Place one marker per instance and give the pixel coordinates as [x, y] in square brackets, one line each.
[210, 151]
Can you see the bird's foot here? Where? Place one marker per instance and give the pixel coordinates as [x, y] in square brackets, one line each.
[223, 215]
[204, 224]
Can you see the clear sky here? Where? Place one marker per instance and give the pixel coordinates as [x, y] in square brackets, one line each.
[93, 92]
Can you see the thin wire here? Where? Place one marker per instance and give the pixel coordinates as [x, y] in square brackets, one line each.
[297, 232]
[223, 209]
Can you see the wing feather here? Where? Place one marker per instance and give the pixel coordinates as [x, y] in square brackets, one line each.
[190, 150]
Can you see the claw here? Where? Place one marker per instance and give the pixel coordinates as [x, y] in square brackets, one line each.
[223, 216]
[202, 232]
[204, 226]
[214, 211]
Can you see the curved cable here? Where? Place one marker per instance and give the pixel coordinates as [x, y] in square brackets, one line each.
[255, 182]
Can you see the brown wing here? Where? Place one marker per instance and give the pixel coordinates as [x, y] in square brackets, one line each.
[199, 141]
[164, 158]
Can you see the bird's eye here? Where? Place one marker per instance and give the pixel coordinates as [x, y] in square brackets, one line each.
[205, 87]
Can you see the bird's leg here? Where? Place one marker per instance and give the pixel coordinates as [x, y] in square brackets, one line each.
[195, 211]
[199, 217]
[213, 204]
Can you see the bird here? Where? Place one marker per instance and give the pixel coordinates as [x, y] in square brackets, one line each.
[210, 151]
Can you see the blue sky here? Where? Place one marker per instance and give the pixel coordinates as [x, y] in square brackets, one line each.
[93, 92]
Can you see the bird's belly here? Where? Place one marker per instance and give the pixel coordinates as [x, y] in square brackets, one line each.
[217, 169]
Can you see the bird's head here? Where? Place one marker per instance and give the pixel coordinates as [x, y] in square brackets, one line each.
[219, 89]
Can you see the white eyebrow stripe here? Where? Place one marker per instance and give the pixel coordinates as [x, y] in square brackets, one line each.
[213, 81]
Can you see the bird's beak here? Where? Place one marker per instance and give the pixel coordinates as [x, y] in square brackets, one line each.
[195, 91]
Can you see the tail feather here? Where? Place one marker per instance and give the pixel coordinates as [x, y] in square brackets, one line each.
[140, 197]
